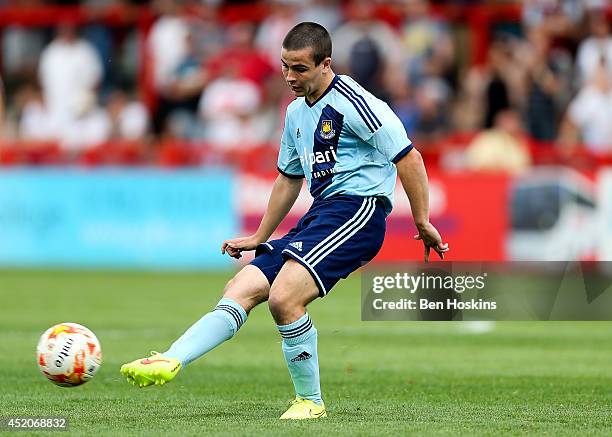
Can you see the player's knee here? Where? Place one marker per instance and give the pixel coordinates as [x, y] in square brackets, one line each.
[245, 292]
[278, 305]
[231, 285]
[248, 298]
[276, 302]
[283, 307]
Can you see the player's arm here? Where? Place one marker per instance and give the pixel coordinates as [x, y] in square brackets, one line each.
[413, 176]
[284, 194]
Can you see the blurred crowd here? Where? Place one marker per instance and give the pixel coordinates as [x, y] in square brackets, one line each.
[546, 80]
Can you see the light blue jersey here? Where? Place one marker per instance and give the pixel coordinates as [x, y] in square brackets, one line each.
[347, 142]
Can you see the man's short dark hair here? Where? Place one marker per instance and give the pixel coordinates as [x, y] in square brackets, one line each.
[312, 35]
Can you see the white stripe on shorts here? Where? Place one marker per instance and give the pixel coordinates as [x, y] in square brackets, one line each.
[309, 268]
[346, 235]
[338, 236]
[340, 229]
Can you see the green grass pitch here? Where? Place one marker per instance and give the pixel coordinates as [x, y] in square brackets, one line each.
[388, 378]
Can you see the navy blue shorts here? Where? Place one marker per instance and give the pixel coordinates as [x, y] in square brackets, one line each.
[335, 237]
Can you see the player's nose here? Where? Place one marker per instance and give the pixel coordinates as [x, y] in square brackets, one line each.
[290, 78]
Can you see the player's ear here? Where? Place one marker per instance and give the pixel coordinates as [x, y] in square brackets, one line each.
[326, 64]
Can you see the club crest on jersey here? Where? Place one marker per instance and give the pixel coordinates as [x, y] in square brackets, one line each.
[327, 130]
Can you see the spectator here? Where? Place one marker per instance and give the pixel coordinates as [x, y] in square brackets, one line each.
[230, 108]
[499, 84]
[427, 44]
[34, 122]
[492, 88]
[593, 48]
[21, 50]
[589, 115]
[208, 32]
[129, 118]
[180, 46]
[90, 127]
[168, 43]
[422, 110]
[546, 78]
[274, 27]
[469, 106]
[403, 104]
[184, 88]
[432, 99]
[69, 69]
[501, 148]
[559, 18]
[324, 12]
[366, 48]
[250, 63]
[100, 36]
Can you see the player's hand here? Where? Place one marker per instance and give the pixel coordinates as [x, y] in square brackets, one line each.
[431, 240]
[236, 246]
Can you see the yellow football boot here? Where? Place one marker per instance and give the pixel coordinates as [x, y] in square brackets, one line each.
[304, 409]
[155, 370]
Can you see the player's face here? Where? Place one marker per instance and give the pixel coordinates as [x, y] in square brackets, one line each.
[300, 72]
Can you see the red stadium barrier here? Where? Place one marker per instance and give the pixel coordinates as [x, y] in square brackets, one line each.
[32, 153]
[124, 153]
[174, 154]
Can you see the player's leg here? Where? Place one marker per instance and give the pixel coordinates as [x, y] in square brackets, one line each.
[291, 291]
[346, 232]
[241, 294]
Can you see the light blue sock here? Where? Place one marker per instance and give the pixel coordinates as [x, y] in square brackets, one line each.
[300, 349]
[209, 332]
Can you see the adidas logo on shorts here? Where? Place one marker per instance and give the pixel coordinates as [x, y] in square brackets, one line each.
[297, 245]
[301, 357]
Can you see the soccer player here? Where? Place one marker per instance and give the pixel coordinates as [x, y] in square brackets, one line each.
[349, 146]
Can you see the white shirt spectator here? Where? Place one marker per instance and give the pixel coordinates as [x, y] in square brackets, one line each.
[591, 112]
[230, 108]
[273, 29]
[133, 121]
[590, 53]
[168, 43]
[89, 130]
[35, 123]
[227, 96]
[68, 70]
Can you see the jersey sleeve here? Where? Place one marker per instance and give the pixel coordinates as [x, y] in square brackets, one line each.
[289, 163]
[377, 125]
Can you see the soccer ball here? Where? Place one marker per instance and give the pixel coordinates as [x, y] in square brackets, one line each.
[68, 354]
